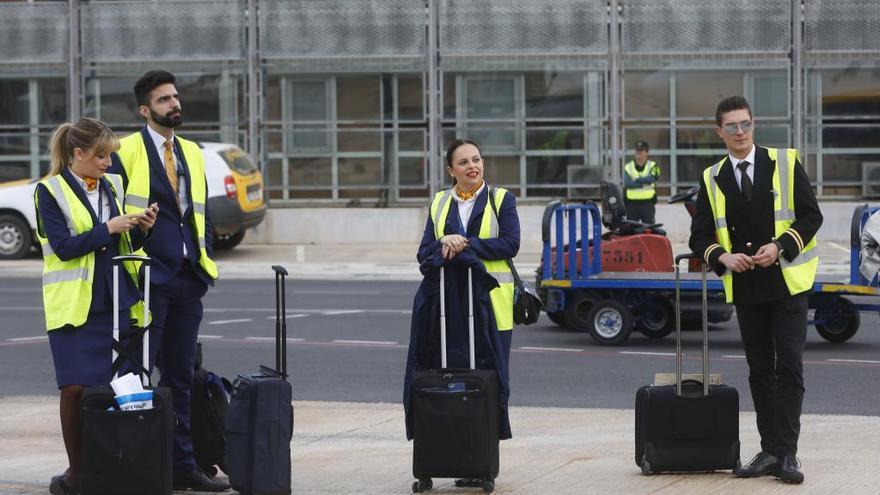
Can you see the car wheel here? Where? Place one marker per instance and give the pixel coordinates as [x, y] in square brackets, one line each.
[228, 241]
[610, 322]
[15, 237]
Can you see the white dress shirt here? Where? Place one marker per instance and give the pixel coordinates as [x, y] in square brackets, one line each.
[466, 207]
[93, 197]
[749, 170]
[159, 142]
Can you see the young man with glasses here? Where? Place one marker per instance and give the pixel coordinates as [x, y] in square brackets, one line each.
[755, 225]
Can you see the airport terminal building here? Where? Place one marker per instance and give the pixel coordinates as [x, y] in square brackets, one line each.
[352, 101]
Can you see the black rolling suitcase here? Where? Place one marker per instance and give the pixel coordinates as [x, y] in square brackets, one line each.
[259, 421]
[127, 451]
[691, 425]
[455, 416]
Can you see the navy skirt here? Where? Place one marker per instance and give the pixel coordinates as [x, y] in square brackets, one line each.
[83, 355]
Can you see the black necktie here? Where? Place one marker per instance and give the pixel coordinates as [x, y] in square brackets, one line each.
[745, 182]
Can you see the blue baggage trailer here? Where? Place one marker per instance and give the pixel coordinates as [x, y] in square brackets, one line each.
[609, 305]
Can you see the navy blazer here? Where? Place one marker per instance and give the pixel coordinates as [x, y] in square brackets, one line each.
[98, 240]
[172, 229]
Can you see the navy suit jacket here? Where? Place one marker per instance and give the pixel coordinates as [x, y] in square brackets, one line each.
[98, 240]
[172, 229]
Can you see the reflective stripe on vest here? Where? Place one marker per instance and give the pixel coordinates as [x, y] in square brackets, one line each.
[799, 273]
[501, 296]
[647, 190]
[67, 285]
[133, 155]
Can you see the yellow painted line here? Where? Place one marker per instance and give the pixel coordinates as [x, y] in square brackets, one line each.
[556, 283]
[855, 289]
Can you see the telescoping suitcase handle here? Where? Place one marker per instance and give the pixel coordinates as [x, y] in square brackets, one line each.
[280, 321]
[117, 260]
[471, 351]
[705, 321]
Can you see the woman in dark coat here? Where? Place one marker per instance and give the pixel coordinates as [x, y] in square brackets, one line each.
[457, 247]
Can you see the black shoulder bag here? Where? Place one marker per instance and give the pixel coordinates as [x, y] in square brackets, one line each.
[527, 305]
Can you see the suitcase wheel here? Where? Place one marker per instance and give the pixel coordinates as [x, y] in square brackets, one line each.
[646, 467]
[422, 485]
[488, 486]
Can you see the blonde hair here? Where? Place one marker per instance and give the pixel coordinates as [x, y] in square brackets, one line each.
[86, 134]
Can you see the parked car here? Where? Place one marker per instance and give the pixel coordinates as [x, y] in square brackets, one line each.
[235, 202]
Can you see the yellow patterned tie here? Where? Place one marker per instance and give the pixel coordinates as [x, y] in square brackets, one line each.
[171, 168]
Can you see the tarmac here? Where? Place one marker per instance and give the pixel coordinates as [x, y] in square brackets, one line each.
[360, 448]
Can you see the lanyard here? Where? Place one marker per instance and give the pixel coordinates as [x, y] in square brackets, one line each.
[100, 203]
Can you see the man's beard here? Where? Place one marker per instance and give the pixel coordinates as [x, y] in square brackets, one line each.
[169, 120]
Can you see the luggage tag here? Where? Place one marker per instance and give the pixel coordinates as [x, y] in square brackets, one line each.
[455, 387]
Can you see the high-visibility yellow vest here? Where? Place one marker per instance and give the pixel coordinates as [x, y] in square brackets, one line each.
[647, 190]
[501, 296]
[799, 273]
[133, 155]
[67, 285]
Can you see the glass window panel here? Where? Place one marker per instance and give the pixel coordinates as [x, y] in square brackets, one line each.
[412, 171]
[359, 140]
[646, 94]
[310, 139]
[111, 99]
[358, 98]
[770, 94]
[554, 94]
[690, 168]
[274, 140]
[554, 139]
[772, 135]
[411, 140]
[53, 101]
[502, 170]
[655, 137]
[491, 98]
[310, 172]
[845, 167]
[273, 174]
[449, 103]
[14, 170]
[273, 98]
[497, 137]
[308, 101]
[809, 162]
[701, 138]
[851, 136]
[14, 102]
[697, 93]
[360, 171]
[550, 169]
[199, 97]
[15, 144]
[850, 92]
[410, 97]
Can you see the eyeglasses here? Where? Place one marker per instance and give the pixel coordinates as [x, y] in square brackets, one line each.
[745, 125]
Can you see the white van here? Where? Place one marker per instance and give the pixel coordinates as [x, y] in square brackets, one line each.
[235, 202]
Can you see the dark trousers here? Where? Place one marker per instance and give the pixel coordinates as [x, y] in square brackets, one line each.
[177, 312]
[640, 210]
[774, 335]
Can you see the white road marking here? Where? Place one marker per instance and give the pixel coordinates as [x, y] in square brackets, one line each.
[297, 315]
[838, 246]
[733, 356]
[860, 361]
[224, 322]
[366, 342]
[206, 336]
[272, 339]
[300, 254]
[342, 312]
[552, 349]
[25, 339]
[646, 353]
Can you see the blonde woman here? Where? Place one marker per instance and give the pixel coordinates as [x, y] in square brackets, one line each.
[81, 228]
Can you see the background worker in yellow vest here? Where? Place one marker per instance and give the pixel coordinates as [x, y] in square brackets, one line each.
[755, 223]
[81, 227]
[464, 230]
[160, 167]
[639, 176]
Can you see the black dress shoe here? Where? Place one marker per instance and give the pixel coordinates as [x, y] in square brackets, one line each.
[197, 481]
[762, 464]
[789, 470]
[62, 485]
